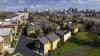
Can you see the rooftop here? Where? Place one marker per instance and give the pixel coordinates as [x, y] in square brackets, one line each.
[7, 19]
[5, 31]
[33, 27]
[44, 40]
[7, 23]
[53, 37]
[1, 23]
[62, 32]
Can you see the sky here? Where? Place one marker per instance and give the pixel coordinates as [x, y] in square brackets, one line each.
[15, 5]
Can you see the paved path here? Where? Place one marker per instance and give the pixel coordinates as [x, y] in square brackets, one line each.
[80, 51]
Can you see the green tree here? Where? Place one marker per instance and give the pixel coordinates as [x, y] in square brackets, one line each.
[38, 33]
[63, 25]
[13, 44]
[30, 18]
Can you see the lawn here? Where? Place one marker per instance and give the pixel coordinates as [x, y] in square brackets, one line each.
[83, 35]
[95, 52]
[68, 46]
[7, 40]
[76, 44]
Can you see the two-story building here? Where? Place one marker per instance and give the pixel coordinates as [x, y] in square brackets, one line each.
[54, 40]
[6, 33]
[43, 46]
[63, 34]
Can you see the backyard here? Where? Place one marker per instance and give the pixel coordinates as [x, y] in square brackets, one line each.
[78, 46]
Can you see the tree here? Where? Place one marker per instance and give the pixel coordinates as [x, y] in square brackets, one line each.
[51, 29]
[30, 18]
[13, 44]
[89, 25]
[38, 33]
[63, 25]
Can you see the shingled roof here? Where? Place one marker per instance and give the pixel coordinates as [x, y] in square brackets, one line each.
[53, 37]
[62, 32]
[5, 31]
[44, 40]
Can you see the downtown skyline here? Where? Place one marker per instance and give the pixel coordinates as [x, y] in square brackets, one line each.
[15, 5]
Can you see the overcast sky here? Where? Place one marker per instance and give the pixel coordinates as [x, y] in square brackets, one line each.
[11, 5]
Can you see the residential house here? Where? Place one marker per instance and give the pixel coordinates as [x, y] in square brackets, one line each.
[75, 28]
[23, 17]
[64, 34]
[54, 39]
[26, 15]
[8, 23]
[1, 22]
[6, 33]
[1, 45]
[43, 46]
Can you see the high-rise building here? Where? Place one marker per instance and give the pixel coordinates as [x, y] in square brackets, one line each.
[25, 9]
[76, 10]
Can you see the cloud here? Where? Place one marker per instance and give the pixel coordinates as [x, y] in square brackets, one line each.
[59, 4]
[39, 6]
[36, 6]
[21, 1]
[46, 5]
[81, 1]
[50, 2]
[32, 6]
[21, 6]
[4, 1]
[14, 7]
[94, 0]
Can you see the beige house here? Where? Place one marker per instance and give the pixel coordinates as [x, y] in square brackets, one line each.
[42, 46]
[9, 23]
[6, 33]
[54, 39]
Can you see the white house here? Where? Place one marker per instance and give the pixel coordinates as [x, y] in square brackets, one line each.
[6, 33]
[64, 34]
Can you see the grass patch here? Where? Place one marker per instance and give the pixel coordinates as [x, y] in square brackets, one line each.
[95, 52]
[7, 40]
[68, 46]
[79, 40]
[83, 35]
